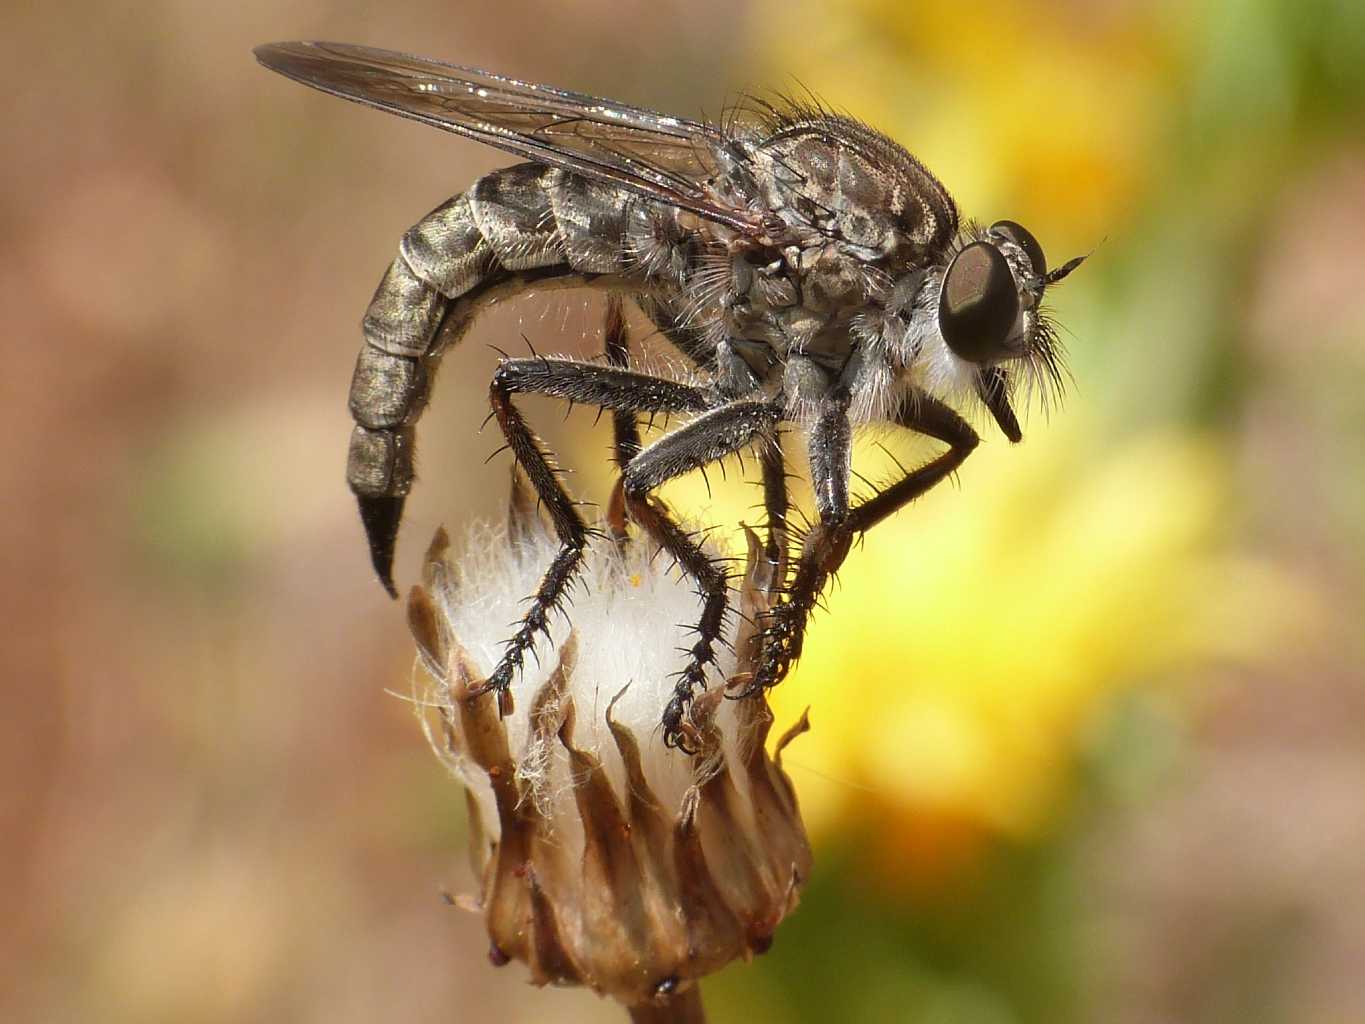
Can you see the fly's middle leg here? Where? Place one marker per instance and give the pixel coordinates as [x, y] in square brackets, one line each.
[775, 505]
[707, 439]
[589, 384]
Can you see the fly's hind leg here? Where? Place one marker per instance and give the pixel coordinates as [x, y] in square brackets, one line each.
[616, 339]
[589, 384]
[707, 439]
[625, 430]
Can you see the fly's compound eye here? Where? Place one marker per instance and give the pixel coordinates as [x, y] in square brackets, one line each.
[1022, 237]
[978, 304]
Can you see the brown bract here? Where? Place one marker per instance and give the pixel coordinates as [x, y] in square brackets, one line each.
[594, 870]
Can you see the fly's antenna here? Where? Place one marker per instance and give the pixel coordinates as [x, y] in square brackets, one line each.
[1053, 276]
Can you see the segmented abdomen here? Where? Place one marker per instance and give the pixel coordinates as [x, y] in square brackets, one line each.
[515, 227]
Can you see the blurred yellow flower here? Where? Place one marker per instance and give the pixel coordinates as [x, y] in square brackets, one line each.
[972, 641]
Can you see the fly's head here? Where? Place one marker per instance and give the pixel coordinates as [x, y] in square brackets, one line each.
[990, 314]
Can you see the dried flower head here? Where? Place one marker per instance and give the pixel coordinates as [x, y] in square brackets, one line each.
[606, 859]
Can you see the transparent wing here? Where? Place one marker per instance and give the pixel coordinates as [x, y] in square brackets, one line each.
[665, 158]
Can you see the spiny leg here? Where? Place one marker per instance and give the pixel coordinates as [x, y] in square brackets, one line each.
[775, 504]
[590, 384]
[707, 439]
[928, 416]
[831, 455]
[625, 431]
[827, 545]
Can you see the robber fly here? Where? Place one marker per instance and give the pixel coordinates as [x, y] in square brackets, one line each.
[813, 271]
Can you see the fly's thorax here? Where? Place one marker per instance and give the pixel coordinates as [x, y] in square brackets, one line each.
[860, 212]
[834, 280]
[852, 185]
[800, 302]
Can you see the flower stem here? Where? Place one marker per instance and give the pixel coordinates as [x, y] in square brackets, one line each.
[683, 1008]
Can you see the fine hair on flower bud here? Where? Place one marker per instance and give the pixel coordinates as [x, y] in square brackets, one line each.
[603, 857]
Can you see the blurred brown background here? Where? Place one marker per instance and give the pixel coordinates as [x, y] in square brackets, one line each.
[1110, 768]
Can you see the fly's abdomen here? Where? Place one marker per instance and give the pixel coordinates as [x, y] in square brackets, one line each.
[440, 262]
[515, 227]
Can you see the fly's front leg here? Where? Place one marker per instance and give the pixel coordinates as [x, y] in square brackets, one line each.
[588, 384]
[827, 545]
[926, 415]
[705, 440]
